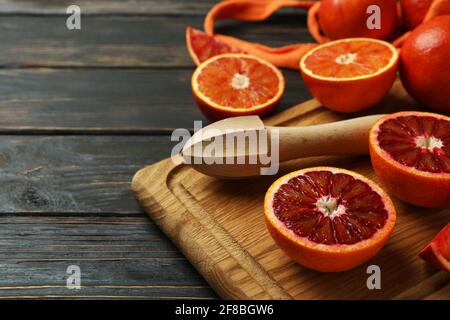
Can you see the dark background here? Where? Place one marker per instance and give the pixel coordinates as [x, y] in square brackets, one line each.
[80, 113]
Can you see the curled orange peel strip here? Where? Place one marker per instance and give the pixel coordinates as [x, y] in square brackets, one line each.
[286, 56]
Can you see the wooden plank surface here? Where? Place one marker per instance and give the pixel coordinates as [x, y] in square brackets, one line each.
[70, 103]
[74, 174]
[108, 101]
[118, 257]
[60, 83]
[106, 7]
[60, 99]
[124, 41]
[66, 200]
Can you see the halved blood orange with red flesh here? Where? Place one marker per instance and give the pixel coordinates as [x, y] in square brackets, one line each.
[237, 85]
[351, 74]
[202, 46]
[328, 219]
[437, 252]
[410, 154]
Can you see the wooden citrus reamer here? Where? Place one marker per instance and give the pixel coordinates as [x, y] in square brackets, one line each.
[231, 160]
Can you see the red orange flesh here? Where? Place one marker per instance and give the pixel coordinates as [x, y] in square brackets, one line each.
[410, 153]
[237, 85]
[437, 252]
[328, 219]
[202, 46]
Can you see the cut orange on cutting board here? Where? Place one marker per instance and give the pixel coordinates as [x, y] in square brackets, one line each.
[328, 219]
[202, 46]
[437, 252]
[350, 75]
[410, 154]
[237, 85]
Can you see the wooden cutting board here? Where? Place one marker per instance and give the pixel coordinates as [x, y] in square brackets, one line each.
[219, 226]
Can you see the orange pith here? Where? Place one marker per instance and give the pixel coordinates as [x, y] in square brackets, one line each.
[410, 153]
[351, 74]
[328, 219]
[237, 84]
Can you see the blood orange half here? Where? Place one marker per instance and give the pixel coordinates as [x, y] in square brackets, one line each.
[328, 219]
[410, 153]
[202, 46]
[237, 85]
[350, 75]
[437, 252]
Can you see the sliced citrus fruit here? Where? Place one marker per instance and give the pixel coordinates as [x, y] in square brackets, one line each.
[437, 252]
[202, 46]
[236, 85]
[350, 75]
[410, 154]
[328, 219]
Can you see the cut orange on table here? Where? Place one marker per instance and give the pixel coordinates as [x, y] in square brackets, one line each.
[328, 219]
[437, 252]
[410, 154]
[237, 85]
[350, 75]
[202, 46]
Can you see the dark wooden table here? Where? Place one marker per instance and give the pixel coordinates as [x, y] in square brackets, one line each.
[80, 113]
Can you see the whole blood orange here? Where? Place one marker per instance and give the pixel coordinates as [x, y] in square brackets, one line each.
[410, 154]
[350, 75]
[202, 46]
[348, 18]
[237, 85]
[425, 63]
[413, 12]
[437, 252]
[328, 219]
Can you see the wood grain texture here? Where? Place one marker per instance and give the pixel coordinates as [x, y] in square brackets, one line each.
[67, 199]
[58, 82]
[118, 257]
[106, 101]
[73, 175]
[206, 244]
[123, 41]
[217, 224]
[106, 7]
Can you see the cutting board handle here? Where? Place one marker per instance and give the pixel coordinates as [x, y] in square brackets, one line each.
[225, 264]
